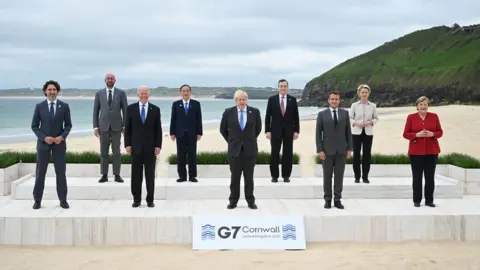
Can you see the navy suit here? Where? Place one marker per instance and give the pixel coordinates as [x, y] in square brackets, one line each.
[43, 126]
[186, 125]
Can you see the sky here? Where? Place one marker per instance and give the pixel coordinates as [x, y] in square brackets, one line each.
[202, 42]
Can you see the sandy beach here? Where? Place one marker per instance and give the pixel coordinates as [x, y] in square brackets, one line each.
[461, 126]
[460, 123]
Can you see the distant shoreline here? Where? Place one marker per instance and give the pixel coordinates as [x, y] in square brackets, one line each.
[93, 97]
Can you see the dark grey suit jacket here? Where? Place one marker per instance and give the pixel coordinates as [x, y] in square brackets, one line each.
[235, 137]
[43, 127]
[330, 139]
[106, 117]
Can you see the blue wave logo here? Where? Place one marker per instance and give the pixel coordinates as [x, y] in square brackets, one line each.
[289, 232]
[208, 232]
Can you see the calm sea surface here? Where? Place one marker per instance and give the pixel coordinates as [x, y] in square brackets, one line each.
[16, 115]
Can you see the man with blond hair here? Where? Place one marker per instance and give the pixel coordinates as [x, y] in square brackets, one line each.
[109, 111]
[240, 127]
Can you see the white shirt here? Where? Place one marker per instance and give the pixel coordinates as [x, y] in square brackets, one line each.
[140, 108]
[113, 91]
[244, 116]
[186, 101]
[331, 112]
[54, 105]
[284, 101]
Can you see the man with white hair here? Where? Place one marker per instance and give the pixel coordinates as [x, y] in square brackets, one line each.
[143, 140]
[240, 127]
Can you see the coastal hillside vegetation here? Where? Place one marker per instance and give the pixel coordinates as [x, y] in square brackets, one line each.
[442, 63]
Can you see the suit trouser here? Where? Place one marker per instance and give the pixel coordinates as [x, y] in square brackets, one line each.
[333, 164]
[144, 159]
[108, 138]
[59, 161]
[187, 149]
[237, 166]
[287, 154]
[423, 165]
[358, 140]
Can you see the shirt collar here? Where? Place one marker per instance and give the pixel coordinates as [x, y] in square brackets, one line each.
[244, 109]
[106, 88]
[280, 95]
[54, 102]
[331, 109]
[140, 104]
[367, 103]
[185, 101]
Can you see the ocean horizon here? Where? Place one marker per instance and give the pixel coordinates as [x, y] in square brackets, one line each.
[16, 114]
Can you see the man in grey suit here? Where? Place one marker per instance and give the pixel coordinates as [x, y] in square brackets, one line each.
[109, 114]
[51, 123]
[334, 144]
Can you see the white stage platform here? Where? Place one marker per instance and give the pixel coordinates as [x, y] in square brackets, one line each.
[115, 222]
[84, 188]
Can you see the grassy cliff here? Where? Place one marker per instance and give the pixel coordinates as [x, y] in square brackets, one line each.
[441, 62]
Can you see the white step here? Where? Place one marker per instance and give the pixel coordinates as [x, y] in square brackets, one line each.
[84, 188]
[115, 222]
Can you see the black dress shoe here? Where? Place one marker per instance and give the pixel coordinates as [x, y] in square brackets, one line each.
[274, 180]
[252, 206]
[193, 179]
[179, 180]
[366, 181]
[151, 204]
[64, 205]
[286, 180]
[417, 204]
[328, 205]
[103, 179]
[430, 204]
[118, 179]
[135, 204]
[357, 180]
[37, 205]
[231, 205]
[339, 205]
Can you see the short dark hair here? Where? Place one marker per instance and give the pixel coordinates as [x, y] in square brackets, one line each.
[55, 83]
[184, 86]
[282, 80]
[334, 92]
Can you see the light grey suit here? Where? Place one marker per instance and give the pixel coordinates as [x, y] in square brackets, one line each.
[110, 120]
[334, 141]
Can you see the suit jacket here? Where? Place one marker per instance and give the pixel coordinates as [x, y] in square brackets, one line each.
[42, 126]
[106, 117]
[275, 121]
[181, 122]
[235, 137]
[141, 136]
[330, 139]
[360, 114]
[423, 145]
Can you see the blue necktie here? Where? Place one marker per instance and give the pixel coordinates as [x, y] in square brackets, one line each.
[186, 107]
[143, 114]
[52, 112]
[242, 124]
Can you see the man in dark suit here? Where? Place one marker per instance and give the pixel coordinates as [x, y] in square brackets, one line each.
[109, 110]
[51, 124]
[334, 145]
[282, 124]
[143, 140]
[240, 127]
[186, 128]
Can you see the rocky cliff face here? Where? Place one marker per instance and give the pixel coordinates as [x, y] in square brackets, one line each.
[442, 63]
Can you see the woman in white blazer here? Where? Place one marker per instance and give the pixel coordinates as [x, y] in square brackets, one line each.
[363, 117]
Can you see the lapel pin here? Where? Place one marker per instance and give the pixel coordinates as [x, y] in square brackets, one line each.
[250, 111]
[181, 105]
[59, 106]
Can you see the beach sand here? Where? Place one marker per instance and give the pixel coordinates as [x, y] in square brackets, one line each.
[461, 126]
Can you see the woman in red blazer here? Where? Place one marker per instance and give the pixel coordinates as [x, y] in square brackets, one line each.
[423, 129]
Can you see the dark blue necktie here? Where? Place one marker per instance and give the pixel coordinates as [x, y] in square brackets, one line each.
[143, 114]
[242, 123]
[186, 107]
[52, 112]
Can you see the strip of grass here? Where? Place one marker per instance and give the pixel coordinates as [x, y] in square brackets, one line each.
[456, 159]
[8, 159]
[204, 158]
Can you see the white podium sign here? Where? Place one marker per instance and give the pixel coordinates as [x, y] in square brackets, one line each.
[248, 232]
